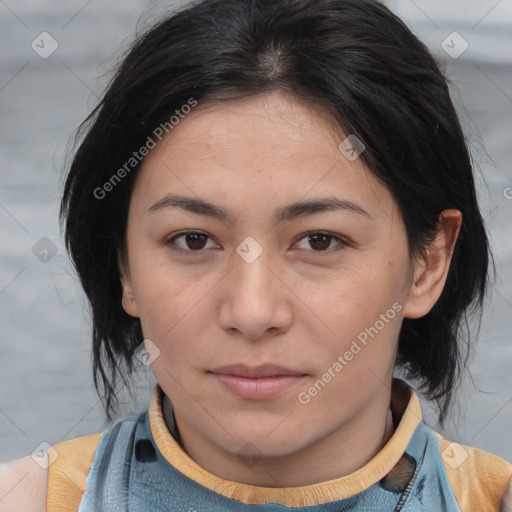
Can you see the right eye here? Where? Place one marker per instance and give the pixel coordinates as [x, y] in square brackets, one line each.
[191, 242]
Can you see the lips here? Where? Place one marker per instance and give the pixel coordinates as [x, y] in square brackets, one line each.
[266, 370]
[256, 383]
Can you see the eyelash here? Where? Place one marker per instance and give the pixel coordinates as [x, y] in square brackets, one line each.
[200, 252]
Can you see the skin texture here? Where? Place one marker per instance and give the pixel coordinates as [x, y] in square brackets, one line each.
[299, 304]
[23, 486]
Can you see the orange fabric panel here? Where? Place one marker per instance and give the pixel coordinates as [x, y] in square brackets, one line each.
[70, 462]
[479, 479]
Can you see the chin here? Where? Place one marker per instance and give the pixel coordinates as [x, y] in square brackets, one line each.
[254, 449]
[257, 442]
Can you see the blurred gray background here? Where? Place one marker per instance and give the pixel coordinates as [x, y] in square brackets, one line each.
[46, 390]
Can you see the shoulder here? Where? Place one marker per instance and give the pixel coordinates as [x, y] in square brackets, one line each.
[52, 480]
[480, 480]
[69, 465]
[23, 485]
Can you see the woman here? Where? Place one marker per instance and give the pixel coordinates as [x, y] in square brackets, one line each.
[273, 206]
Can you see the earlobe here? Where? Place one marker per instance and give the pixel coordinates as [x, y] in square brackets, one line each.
[128, 298]
[431, 271]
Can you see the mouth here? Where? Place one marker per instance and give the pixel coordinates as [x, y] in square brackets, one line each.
[257, 383]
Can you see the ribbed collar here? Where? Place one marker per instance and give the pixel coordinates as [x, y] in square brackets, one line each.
[406, 412]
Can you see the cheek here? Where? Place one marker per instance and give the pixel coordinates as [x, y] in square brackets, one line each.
[164, 305]
[359, 295]
[351, 364]
[362, 310]
[173, 305]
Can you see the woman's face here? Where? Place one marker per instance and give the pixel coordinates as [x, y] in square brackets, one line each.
[270, 334]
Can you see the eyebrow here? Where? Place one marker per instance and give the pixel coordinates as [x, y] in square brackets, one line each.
[284, 213]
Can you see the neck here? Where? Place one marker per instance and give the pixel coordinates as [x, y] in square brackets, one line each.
[338, 454]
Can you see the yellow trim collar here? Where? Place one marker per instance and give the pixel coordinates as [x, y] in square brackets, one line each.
[333, 490]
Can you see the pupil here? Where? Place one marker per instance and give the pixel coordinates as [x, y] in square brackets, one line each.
[192, 238]
[325, 237]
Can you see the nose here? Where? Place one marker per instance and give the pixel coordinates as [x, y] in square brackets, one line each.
[256, 301]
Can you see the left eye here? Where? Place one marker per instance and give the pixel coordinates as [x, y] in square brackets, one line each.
[321, 241]
[195, 241]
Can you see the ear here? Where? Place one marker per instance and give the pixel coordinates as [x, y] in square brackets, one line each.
[128, 299]
[431, 271]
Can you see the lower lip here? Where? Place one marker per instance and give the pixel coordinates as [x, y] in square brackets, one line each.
[258, 388]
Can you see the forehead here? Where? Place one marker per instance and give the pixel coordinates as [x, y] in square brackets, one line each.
[273, 126]
[258, 150]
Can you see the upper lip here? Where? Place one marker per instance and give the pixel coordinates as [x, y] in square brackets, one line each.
[265, 370]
